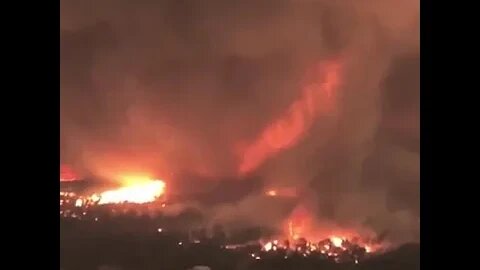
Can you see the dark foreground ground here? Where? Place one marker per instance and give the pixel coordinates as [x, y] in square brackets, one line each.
[82, 249]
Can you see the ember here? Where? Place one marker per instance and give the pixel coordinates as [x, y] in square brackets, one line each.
[272, 193]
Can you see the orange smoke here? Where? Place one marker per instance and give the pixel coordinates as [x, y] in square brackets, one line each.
[67, 174]
[318, 97]
[299, 223]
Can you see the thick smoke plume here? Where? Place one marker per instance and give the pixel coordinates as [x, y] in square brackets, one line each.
[171, 88]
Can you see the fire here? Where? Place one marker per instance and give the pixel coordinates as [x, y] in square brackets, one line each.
[78, 203]
[136, 192]
[318, 96]
[268, 246]
[301, 226]
[336, 241]
[281, 192]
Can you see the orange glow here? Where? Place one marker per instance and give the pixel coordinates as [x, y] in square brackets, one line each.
[272, 193]
[95, 197]
[318, 97]
[281, 192]
[299, 223]
[268, 246]
[137, 190]
[67, 174]
[78, 203]
[302, 224]
[336, 241]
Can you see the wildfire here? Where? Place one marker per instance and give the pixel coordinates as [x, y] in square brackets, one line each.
[301, 229]
[317, 97]
[336, 241]
[143, 192]
[338, 249]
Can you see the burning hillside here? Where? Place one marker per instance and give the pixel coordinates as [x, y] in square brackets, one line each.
[143, 192]
[139, 191]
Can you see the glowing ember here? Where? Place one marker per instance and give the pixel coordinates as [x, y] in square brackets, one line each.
[95, 197]
[268, 246]
[137, 193]
[78, 203]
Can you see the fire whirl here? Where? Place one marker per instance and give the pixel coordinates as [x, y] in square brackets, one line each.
[318, 97]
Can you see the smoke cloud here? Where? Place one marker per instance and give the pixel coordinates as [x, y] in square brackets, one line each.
[174, 87]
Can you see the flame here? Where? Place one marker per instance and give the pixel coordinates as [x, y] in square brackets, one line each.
[317, 98]
[336, 241]
[78, 203]
[268, 246]
[136, 191]
[301, 224]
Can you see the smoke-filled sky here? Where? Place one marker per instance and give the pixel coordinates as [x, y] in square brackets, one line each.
[171, 87]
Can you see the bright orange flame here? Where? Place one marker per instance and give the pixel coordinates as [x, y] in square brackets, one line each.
[336, 241]
[318, 96]
[139, 192]
[302, 224]
[268, 246]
